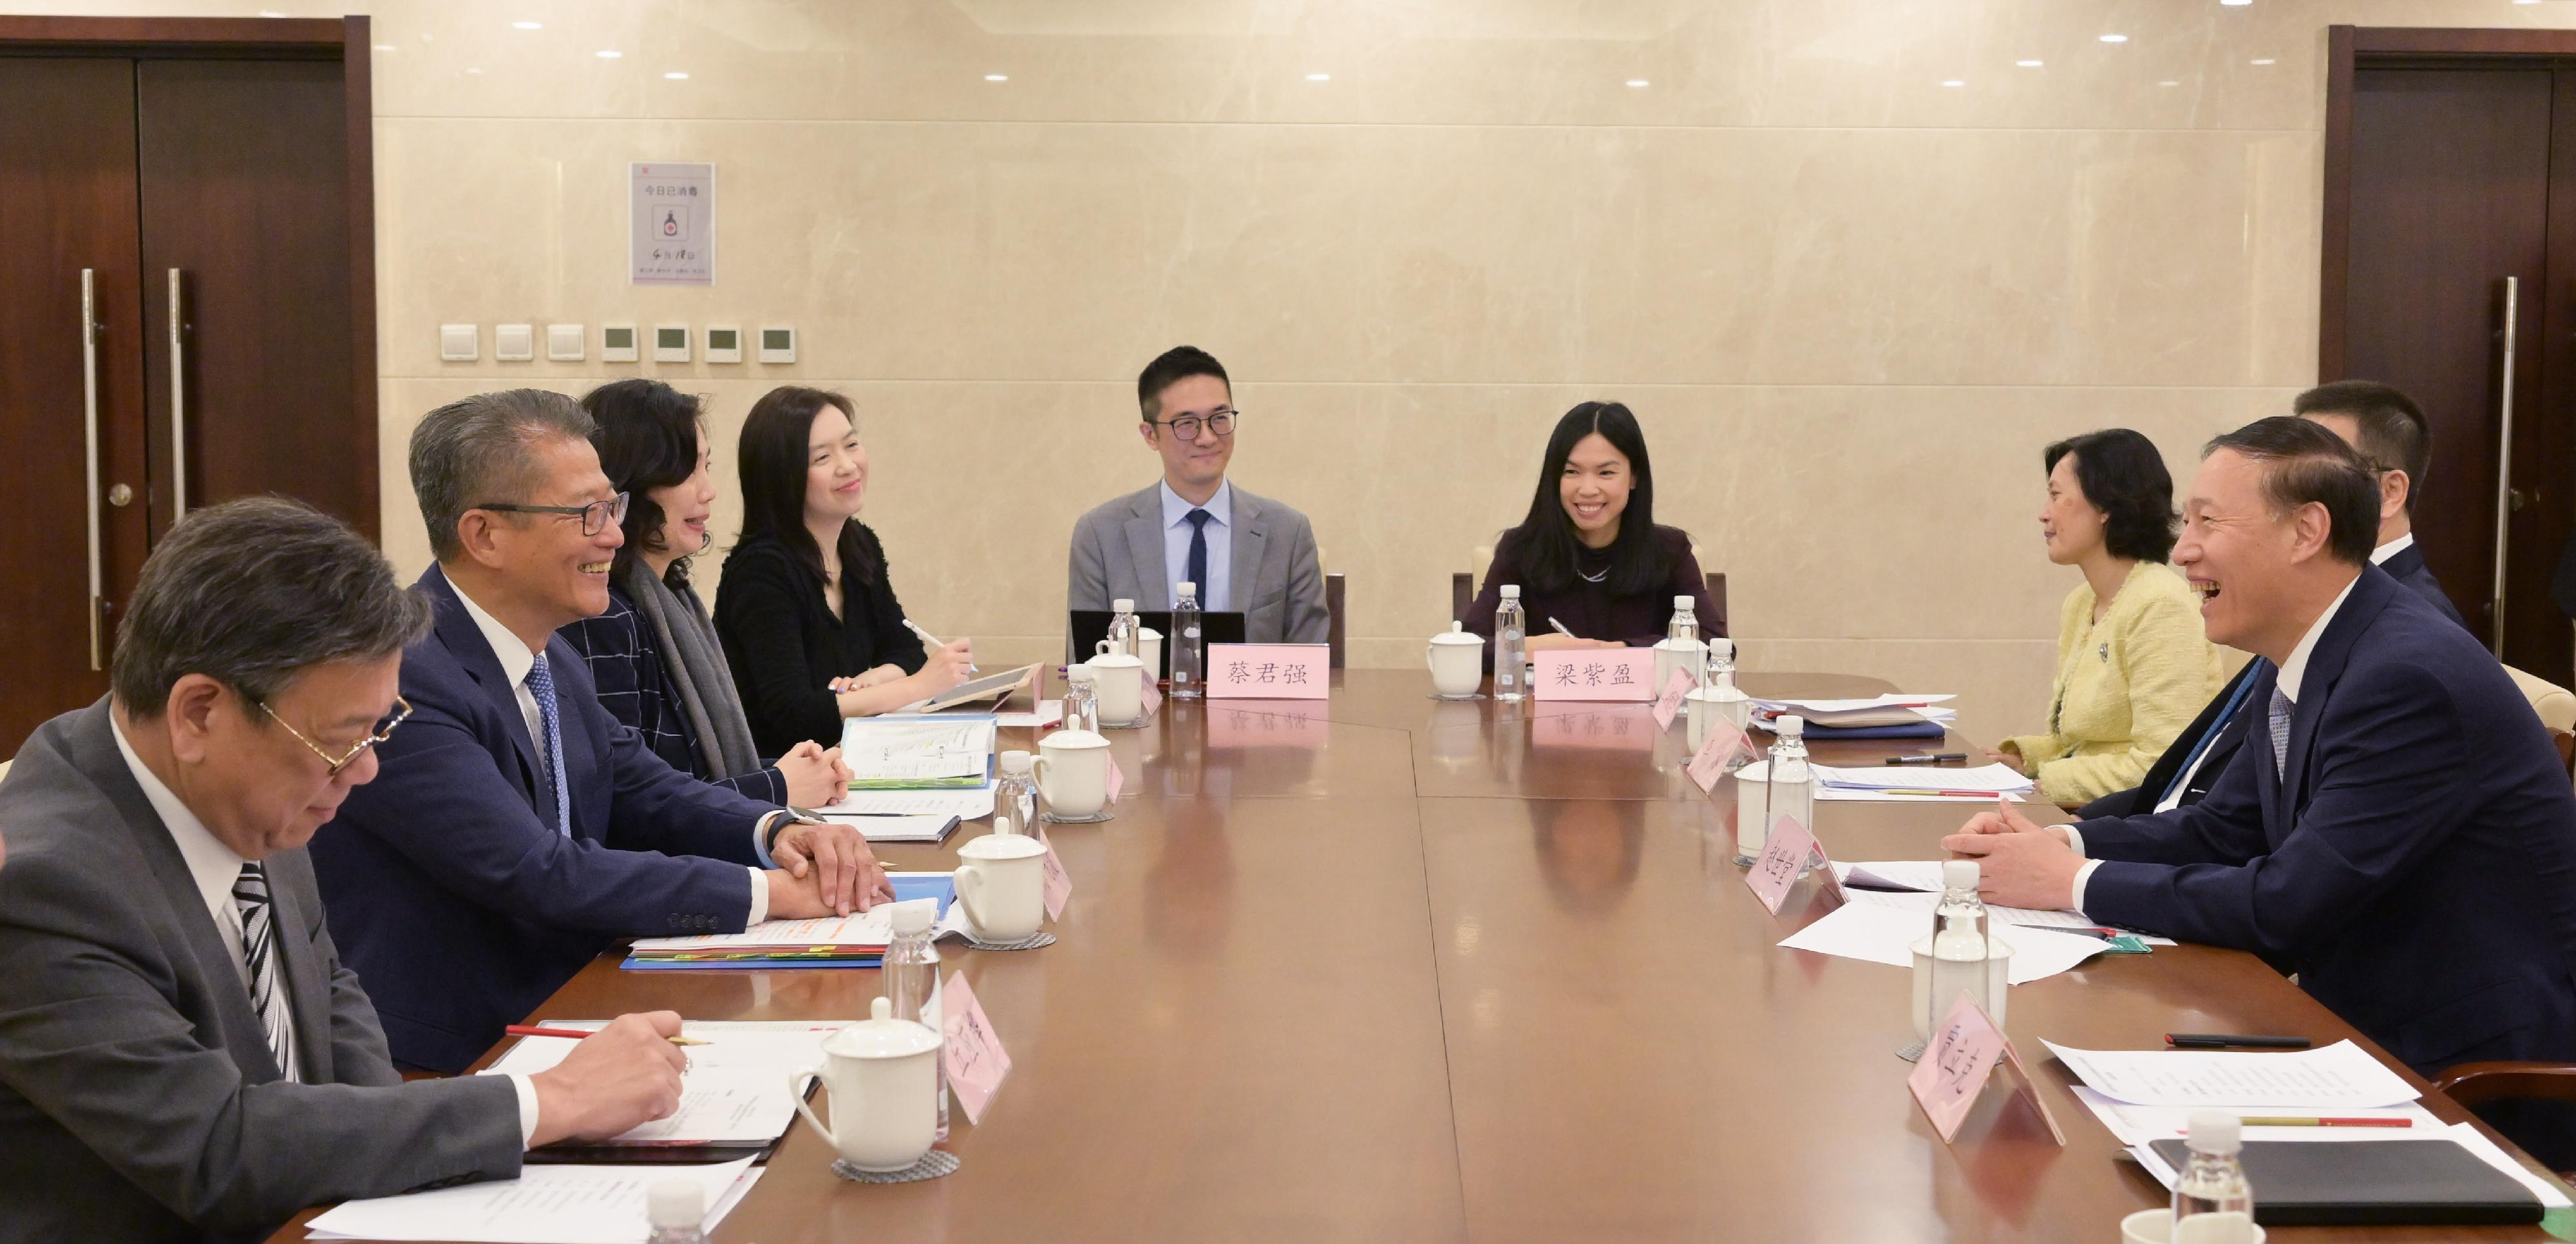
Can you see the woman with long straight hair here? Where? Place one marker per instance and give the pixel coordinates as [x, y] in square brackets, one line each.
[1590, 555]
[807, 611]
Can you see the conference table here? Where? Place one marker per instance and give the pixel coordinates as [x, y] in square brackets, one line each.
[1385, 967]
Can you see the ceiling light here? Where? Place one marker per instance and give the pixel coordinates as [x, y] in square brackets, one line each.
[1955, 82]
[608, 53]
[386, 47]
[677, 75]
[529, 25]
[2265, 60]
[997, 77]
[2169, 82]
[471, 69]
[2029, 64]
[270, 13]
[1639, 82]
[2115, 38]
[1319, 77]
[2236, 4]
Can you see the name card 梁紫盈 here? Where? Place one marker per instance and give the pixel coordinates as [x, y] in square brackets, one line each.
[1594, 673]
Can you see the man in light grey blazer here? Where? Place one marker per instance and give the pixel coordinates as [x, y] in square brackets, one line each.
[182, 1054]
[1246, 554]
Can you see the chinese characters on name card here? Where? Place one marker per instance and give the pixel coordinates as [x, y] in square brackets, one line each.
[1269, 671]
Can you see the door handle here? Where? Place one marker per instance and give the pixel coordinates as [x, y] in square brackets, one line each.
[89, 442]
[178, 408]
[2505, 497]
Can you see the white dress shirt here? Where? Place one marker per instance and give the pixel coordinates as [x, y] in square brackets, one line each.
[2292, 670]
[215, 867]
[2379, 556]
[516, 660]
[1217, 593]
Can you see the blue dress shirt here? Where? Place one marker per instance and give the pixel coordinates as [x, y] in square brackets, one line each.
[1217, 593]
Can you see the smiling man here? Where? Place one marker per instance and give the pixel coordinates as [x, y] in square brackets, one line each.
[1247, 554]
[519, 829]
[2397, 829]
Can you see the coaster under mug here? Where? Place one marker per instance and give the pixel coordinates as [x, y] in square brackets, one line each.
[1458, 699]
[1095, 818]
[932, 1165]
[1031, 942]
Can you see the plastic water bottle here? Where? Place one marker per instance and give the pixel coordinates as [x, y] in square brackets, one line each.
[1015, 797]
[2211, 1202]
[1122, 627]
[912, 978]
[1081, 700]
[1790, 791]
[1189, 646]
[676, 1212]
[1729, 700]
[1681, 649]
[1511, 647]
[1961, 955]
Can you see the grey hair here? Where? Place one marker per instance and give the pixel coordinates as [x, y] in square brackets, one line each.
[475, 452]
[253, 592]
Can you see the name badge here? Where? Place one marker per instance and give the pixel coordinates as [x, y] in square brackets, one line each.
[970, 1049]
[1669, 704]
[1594, 673]
[1269, 671]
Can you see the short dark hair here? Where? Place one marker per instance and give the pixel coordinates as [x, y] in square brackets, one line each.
[253, 592]
[2394, 434]
[772, 452]
[2123, 476]
[2304, 463]
[1171, 367]
[1546, 542]
[647, 437]
[474, 451]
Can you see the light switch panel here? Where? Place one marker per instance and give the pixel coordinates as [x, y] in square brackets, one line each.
[564, 342]
[724, 343]
[617, 343]
[670, 343]
[778, 345]
[459, 343]
[514, 343]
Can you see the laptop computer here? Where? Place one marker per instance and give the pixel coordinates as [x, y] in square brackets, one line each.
[1089, 626]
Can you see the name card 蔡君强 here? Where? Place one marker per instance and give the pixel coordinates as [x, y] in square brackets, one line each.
[1269, 671]
[1594, 673]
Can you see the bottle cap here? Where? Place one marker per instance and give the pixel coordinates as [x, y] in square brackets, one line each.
[1078, 674]
[1186, 588]
[2215, 1131]
[914, 916]
[1015, 762]
[674, 1204]
[1122, 605]
[1511, 591]
[1959, 875]
[1685, 601]
[1790, 726]
[1721, 646]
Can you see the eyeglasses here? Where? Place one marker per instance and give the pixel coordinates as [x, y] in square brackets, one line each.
[1219, 422]
[402, 709]
[594, 516]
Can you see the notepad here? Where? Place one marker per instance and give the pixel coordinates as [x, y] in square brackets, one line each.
[885, 827]
[901, 752]
[2377, 1184]
[967, 803]
[734, 1092]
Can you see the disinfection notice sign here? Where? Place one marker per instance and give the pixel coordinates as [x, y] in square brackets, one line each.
[671, 224]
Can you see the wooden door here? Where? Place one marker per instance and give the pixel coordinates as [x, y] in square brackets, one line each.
[2449, 200]
[67, 205]
[246, 198]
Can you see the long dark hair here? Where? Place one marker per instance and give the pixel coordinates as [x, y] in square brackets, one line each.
[1546, 540]
[772, 451]
[647, 438]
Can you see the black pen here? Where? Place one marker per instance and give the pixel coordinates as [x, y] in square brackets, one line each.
[1928, 760]
[2224, 1041]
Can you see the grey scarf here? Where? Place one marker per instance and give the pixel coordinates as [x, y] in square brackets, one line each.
[695, 660]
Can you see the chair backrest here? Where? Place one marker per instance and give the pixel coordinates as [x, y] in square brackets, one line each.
[2556, 705]
[1333, 610]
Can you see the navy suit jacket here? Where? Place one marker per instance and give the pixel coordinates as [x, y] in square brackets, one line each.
[2414, 861]
[453, 895]
[2407, 566]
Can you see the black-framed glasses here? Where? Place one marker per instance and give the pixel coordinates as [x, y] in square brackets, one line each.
[594, 516]
[402, 709]
[1218, 422]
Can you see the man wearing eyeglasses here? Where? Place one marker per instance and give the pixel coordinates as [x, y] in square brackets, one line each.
[519, 829]
[183, 1056]
[1246, 554]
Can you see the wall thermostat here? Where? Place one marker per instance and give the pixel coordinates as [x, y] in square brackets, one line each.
[724, 344]
[617, 343]
[564, 342]
[459, 343]
[670, 343]
[778, 345]
[514, 343]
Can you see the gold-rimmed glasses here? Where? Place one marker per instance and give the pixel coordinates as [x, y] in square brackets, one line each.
[402, 709]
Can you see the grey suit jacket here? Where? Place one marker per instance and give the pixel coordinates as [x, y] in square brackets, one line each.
[138, 1098]
[1278, 584]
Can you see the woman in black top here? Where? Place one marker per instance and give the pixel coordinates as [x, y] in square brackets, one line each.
[1589, 554]
[808, 615]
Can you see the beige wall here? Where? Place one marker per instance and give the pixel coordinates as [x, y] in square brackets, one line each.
[1849, 302]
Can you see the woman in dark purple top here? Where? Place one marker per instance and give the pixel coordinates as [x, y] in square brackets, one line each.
[1590, 555]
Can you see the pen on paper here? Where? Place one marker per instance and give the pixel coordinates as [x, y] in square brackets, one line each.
[531, 1030]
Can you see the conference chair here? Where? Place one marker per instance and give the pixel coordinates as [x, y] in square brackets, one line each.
[1462, 585]
[2556, 705]
[2478, 1084]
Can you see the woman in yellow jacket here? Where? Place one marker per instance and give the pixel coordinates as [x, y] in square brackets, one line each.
[2133, 664]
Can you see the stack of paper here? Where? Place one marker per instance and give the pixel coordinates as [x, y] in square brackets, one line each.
[1919, 783]
[899, 752]
[896, 827]
[964, 803]
[733, 1094]
[857, 940]
[544, 1205]
[1881, 934]
[1874, 712]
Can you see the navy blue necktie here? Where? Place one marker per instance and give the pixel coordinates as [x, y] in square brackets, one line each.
[1197, 564]
[541, 686]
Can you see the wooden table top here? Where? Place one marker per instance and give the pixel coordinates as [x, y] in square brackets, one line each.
[1391, 968]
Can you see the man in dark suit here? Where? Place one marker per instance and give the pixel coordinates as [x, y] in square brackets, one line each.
[183, 1056]
[518, 829]
[2387, 428]
[2397, 830]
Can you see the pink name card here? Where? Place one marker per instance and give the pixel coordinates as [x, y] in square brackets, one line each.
[1269, 671]
[1785, 850]
[1669, 704]
[1709, 762]
[1150, 697]
[1594, 673]
[1117, 779]
[1956, 1064]
[970, 1049]
[1059, 883]
[1304, 724]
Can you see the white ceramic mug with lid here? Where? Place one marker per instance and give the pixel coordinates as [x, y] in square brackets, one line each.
[882, 1075]
[1073, 773]
[1001, 881]
[1457, 659]
[1149, 651]
[1119, 680]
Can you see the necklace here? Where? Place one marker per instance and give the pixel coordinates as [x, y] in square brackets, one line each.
[1592, 578]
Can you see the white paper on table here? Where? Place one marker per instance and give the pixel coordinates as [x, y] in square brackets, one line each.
[1887, 935]
[2138, 1125]
[1994, 779]
[1047, 713]
[2466, 1135]
[880, 828]
[965, 803]
[544, 1205]
[873, 927]
[2333, 1078]
[1919, 886]
[1839, 794]
[735, 1090]
[1891, 699]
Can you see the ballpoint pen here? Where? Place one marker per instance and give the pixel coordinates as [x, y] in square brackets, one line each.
[933, 641]
[531, 1030]
[1560, 628]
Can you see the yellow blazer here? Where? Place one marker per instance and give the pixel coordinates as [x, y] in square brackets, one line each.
[2126, 686]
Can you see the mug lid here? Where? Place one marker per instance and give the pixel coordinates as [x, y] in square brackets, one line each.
[1074, 737]
[881, 1036]
[1114, 660]
[1001, 847]
[1458, 636]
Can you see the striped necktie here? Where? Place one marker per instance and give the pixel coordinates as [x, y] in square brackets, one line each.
[2281, 709]
[541, 687]
[259, 958]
